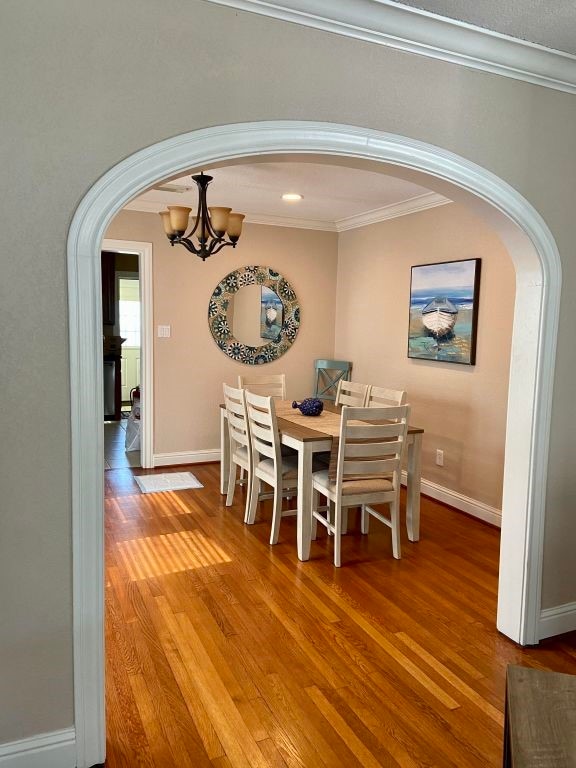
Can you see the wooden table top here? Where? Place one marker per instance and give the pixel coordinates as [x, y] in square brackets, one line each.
[305, 433]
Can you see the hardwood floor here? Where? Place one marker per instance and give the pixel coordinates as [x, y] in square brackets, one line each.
[223, 651]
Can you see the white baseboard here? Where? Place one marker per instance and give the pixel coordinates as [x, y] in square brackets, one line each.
[459, 501]
[48, 750]
[556, 621]
[186, 457]
[453, 498]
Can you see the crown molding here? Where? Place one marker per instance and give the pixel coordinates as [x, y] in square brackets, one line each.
[427, 34]
[251, 218]
[403, 208]
[286, 221]
[143, 206]
[412, 205]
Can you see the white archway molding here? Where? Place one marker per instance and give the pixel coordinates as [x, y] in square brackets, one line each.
[538, 270]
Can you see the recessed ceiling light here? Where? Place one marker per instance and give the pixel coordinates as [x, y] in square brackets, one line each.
[292, 197]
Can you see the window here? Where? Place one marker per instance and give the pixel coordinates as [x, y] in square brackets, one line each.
[129, 309]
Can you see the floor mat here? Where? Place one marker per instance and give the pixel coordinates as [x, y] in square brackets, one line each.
[170, 481]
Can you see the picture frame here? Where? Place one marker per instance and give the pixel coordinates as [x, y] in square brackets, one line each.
[443, 311]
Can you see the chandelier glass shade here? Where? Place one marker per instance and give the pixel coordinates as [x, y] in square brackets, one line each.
[212, 229]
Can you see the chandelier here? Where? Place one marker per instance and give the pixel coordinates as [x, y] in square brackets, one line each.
[209, 228]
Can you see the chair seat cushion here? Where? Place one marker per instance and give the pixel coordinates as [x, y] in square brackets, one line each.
[289, 468]
[353, 487]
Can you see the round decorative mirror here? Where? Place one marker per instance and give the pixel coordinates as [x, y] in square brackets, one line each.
[254, 315]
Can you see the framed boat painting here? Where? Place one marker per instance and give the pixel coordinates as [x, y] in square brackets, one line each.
[444, 311]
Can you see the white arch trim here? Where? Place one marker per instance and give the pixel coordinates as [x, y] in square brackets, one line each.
[532, 365]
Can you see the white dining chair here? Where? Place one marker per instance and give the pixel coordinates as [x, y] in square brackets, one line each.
[351, 393]
[380, 397]
[268, 464]
[367, 472]
[377, 397]
[267, 385]
[239, 436]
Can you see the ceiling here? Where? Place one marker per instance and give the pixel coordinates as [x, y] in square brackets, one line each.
[334, 197]
[547, 22]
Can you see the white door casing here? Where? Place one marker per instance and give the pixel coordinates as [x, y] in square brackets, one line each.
[538, 272]
[144, 252]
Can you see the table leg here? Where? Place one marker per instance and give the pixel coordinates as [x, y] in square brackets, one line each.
[413, 487]
[224, 452]
[304, 525]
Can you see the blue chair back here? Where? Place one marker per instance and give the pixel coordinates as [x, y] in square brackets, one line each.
[327, 374]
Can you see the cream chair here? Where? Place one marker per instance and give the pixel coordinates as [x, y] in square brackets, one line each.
[267, 385]
[240, 450]
[380, 397]
[268, 464]
[351, 393]
[367, 472]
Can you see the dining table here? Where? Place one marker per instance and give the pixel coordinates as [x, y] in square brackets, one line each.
[310, 435]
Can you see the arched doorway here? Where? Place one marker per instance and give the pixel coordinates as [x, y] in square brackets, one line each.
[537, 263]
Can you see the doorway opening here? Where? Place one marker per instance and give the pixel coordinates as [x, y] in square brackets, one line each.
[129, 441]
[122, 344]
[129, 308]
[129, 317]
[536, 259]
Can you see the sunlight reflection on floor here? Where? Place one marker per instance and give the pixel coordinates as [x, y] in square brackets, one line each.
[170, 553]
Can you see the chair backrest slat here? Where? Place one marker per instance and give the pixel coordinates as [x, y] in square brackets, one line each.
[369, 448]
[392, 412]
[238, 429]
[263, 428]
[260, 432]
[236, 422]
[267, 385]
[351, 393]
[372, 431]
[263, 448]
[370, 468]
[379, 397]
[238, 408]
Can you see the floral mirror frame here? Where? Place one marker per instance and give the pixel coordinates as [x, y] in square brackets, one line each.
[218, 319]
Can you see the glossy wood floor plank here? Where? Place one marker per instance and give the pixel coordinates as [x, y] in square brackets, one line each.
[224, 652]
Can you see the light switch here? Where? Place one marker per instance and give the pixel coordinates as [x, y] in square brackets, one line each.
[164, 331]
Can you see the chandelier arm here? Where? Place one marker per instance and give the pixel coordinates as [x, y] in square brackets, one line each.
[188, 244]
[216, 246]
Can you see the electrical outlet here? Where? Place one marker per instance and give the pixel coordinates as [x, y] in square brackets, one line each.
[440, 458]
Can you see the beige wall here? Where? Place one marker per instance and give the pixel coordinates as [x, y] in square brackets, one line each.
[188, 367]
[461, 408]
[76, 100]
